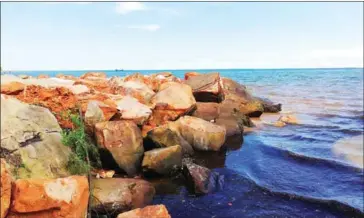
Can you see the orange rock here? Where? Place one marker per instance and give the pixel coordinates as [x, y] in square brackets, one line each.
[64, 197]
[69, 77]
[43, 76]
[106, 104]
[92, 75]
[98, 84]
[5, 189]
[191, 74]
[12, 88]
[157, 211]
[61, 101]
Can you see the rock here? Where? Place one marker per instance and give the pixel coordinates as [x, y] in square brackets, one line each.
[134, 89]
[104, 102]
[191, 74]
[103, 173]
[123, 139]
[207, 110]
[45, 83]
[291, 119]
[68, 77]
[229, 110]
[231, 125]
[201, 134]
[269, 106]
[131, 109]
[171, 102]
[96, 84]
[12, 88]
[31, 141]
[64, 197]
[206, 87]
[93, 115]
[279, 123]
[23, 76]
[5, 189]
[42, 76]
[168, 135]
[93, 75]
[117, 195]
[201, 180]
[238, 95]
[157, 211]
[60, 101]
[163, 160]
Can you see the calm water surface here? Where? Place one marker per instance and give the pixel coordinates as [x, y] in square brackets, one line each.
[314, 169]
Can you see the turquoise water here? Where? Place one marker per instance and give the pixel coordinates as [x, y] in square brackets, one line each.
[313, 169]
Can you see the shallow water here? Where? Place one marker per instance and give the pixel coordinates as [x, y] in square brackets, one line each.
[313, 169]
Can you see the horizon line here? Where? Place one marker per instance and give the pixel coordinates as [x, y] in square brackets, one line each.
[191, 69]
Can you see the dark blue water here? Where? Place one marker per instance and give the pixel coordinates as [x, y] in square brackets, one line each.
[314, 169]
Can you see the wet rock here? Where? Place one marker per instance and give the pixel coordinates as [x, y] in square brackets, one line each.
[117, 195]
[31, 141]
[60, 101]
[12, 88]
[201, 180]
[269, 106]
[93, 75]
[5, 188]
[201, 134]
[162, 160]
[279, 123]
[207, 110]
[157, 211]
[131, 109]
[64, 197]
[123, 139]
[168, 135]
[206, 87]
[291, 119]
[171, 102]
[231, 125]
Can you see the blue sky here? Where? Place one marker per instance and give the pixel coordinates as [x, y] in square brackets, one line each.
[189, 35]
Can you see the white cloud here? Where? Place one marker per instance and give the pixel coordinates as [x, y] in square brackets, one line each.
[150, 27]
[127, 7]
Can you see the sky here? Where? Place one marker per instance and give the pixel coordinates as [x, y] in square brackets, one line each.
[180, 35]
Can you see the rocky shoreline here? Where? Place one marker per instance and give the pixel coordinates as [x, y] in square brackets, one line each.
[142, 128]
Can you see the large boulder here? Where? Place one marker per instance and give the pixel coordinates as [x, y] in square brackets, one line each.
[131, 109]
[93, 115]
[31, 141]
[207, 110]
[96, 84]
[157, 211]
[206, 87]
[163, 160]
[104, 101]
[123, 139]
[63, 197]
[172, 101]
[116, 195]
[168, 135]
[201, 180]
[190, 74]
[5, 188]
[134, 89]
[201, 134]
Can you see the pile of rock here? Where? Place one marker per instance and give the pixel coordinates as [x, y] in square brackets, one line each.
[143, 124]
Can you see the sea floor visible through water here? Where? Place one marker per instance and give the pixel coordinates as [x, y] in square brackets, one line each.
[312, 169]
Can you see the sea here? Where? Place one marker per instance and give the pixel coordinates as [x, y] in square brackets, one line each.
[311, 169]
